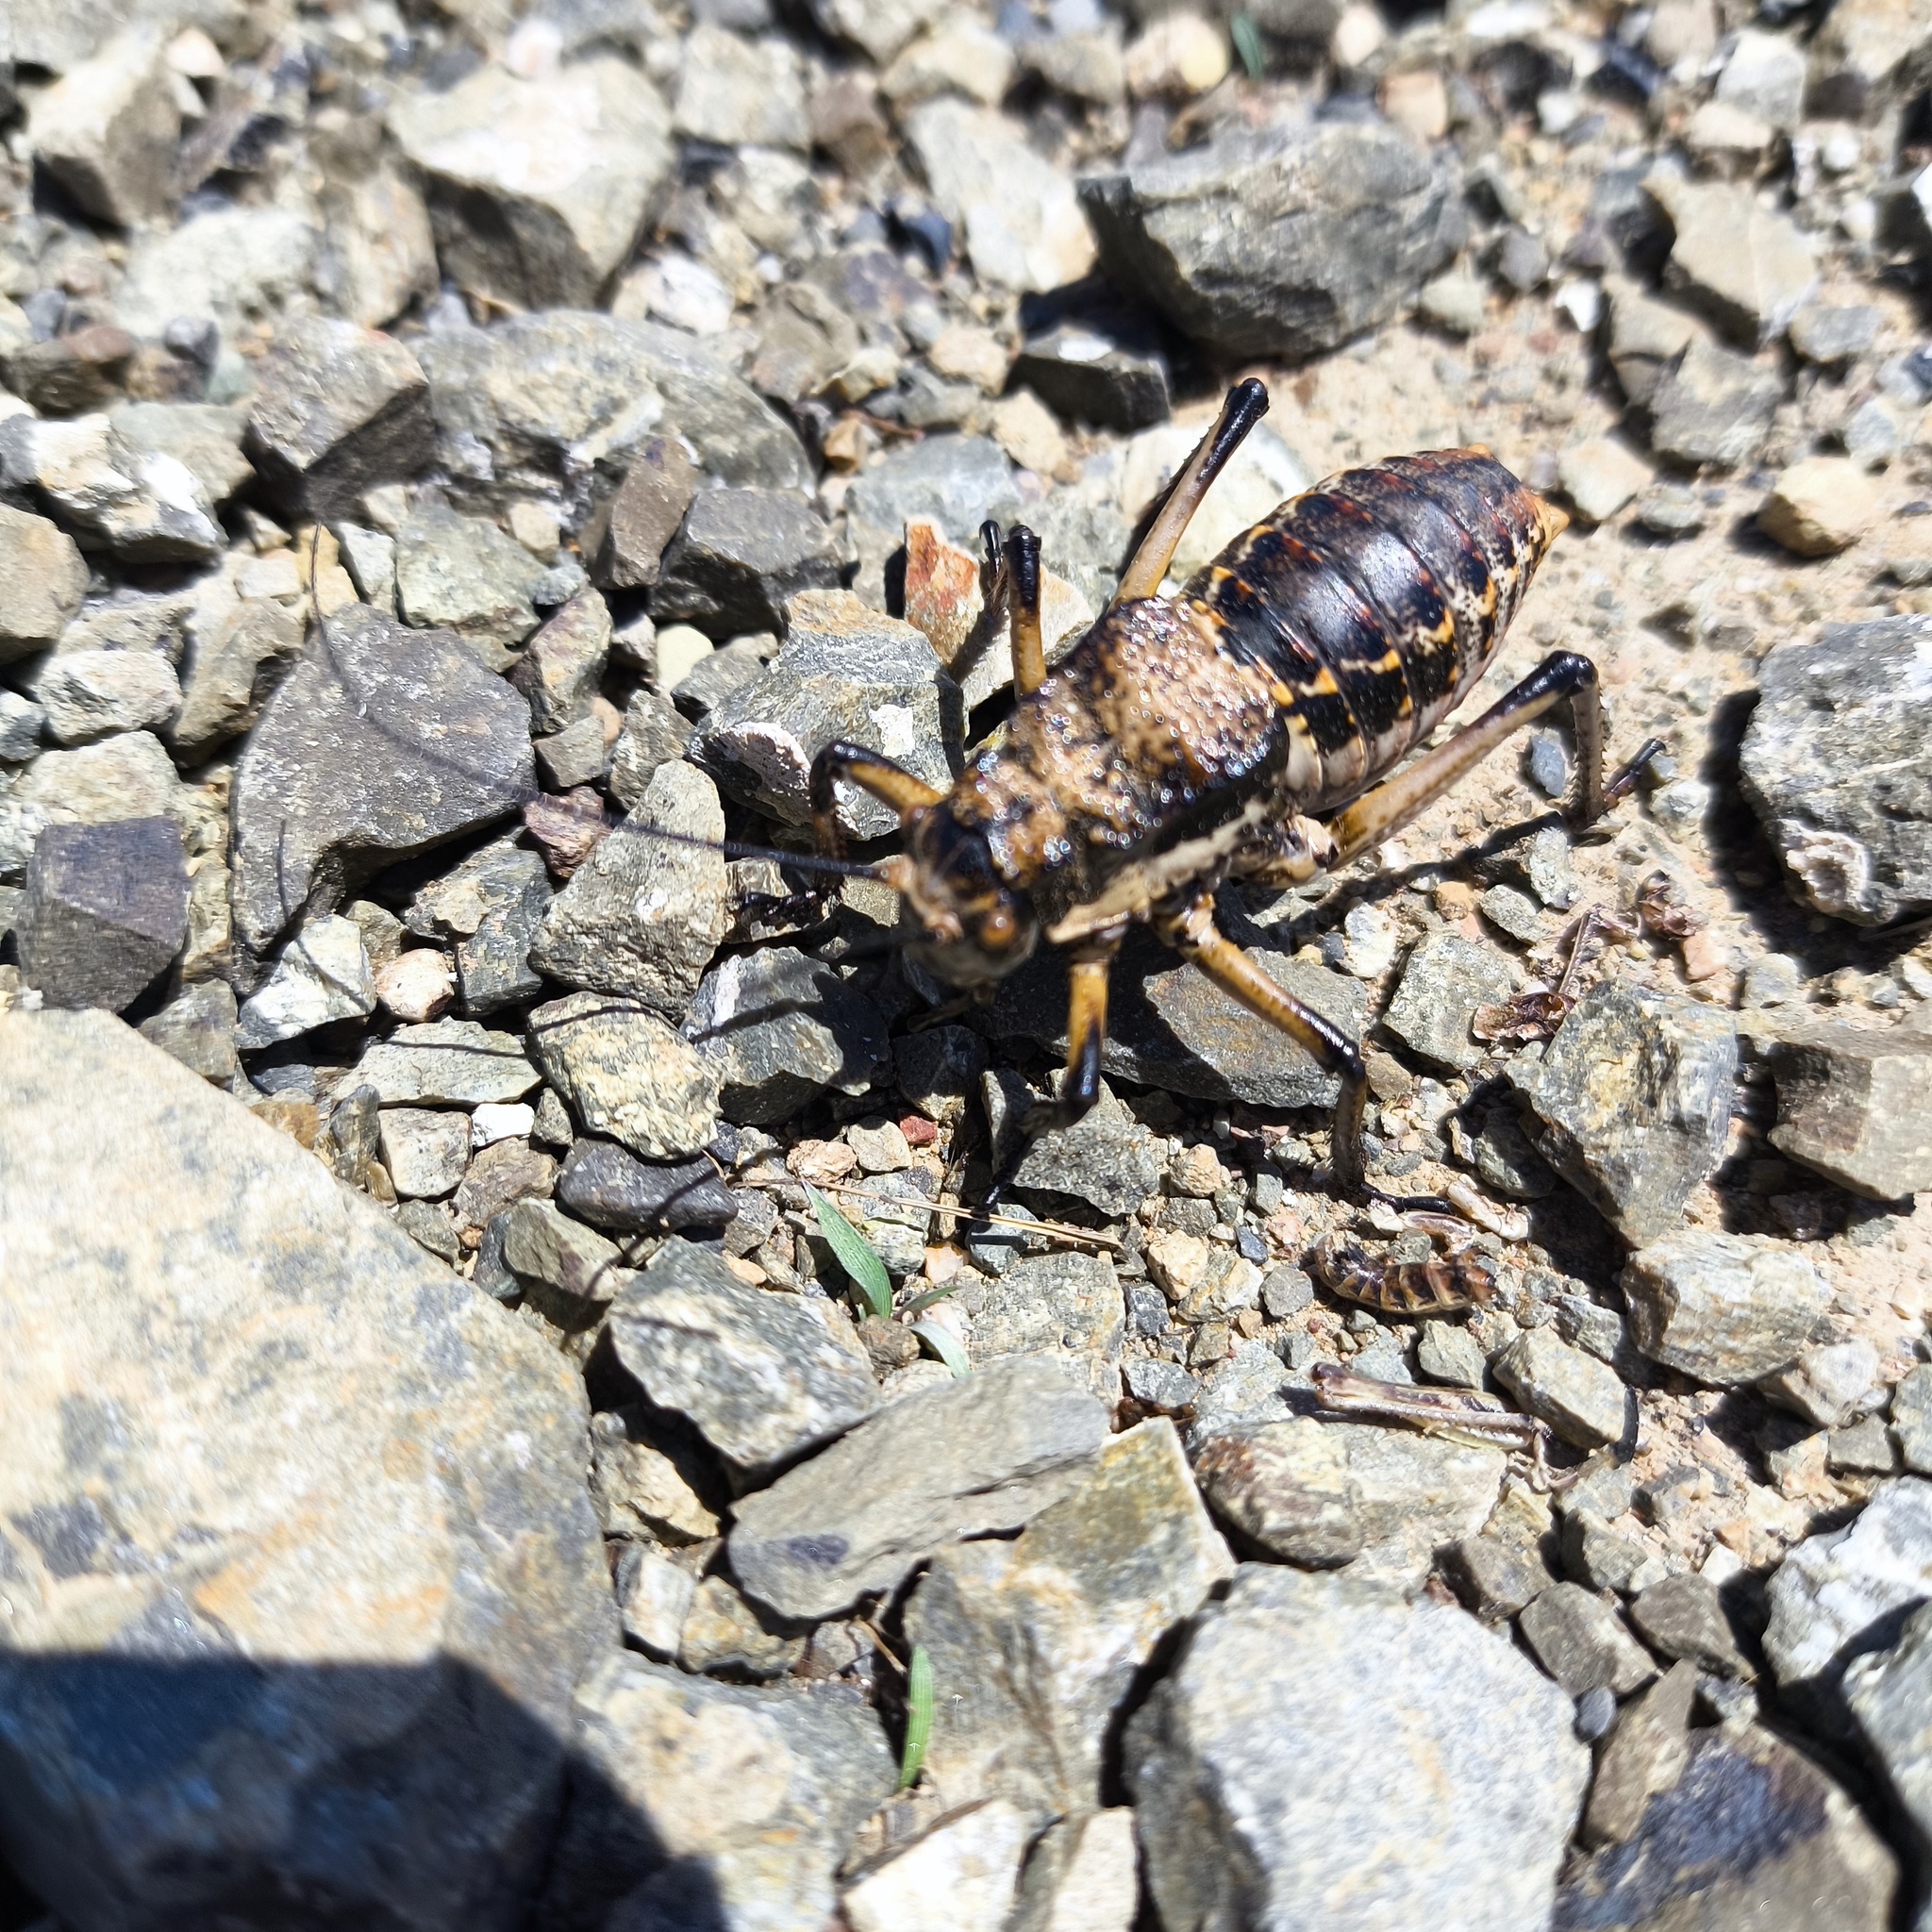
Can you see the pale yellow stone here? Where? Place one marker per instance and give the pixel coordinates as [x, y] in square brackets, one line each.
[1181, 54]
[1820, 505]
[1025, 428]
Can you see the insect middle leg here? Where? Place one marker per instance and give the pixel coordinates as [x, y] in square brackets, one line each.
[1193, 933]
[1563, 678]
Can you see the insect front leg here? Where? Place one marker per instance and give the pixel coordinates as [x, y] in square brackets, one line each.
[891, 785]
[1192, 932]
[1563, 678]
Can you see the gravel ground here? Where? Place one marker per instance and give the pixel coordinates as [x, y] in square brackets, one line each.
[459, 1483]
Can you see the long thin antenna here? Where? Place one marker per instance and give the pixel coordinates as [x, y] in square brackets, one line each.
[736, 848]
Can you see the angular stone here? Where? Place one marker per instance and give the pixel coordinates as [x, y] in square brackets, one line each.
[123, 776]
[670, 1493]
[105, 910]
[1846, 1593]
[1834, 766]
[105, 129]
[653, 1594]
[1092, 378]
[425, 1151]
[961, 1872]
[776, 1027]
[654, 733]
[383, 743]
[464, 575]
[1169, 1027]
[537, 189]
[1826, 1383]
[1752, 1834]
[732, 89]
[697, 1801]
[1911, 1418]
[764, 1377]
[724, 1634]
[556, 403]
[489, 907]
[563, 665]
[1891, 1697]
[1683, 1617]
[1446, 980]
[232, 265]
[376, 1570]
[1106, 1158]
[321, 976]
[87, 695]
[1645, 1753]
[954, 482]
[570, 1273]
[644, 515]
[238, 650]
[624, 1073]
[197, 1029]
[740, 558]
[43, 581]
[605, 1185]
[963, 1459]
[1081, 1876]
[1724, 1307]
[445, 1063]
[205, 437]
[337, 409]
[844, 672]
[1600, 475]
[1582, 1642]
[1749, 268]
[1584, 1400]
[144, 506]
[1048, 1634]
[1280, 243]
[1710, 405]
[1064, 1309]
[1298, 1692]
[642, 917]
[1635, 1094]
[1855, 1105]
[1024, 225]
[1820, 505]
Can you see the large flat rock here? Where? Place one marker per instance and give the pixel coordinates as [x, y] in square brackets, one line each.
[299, 1565]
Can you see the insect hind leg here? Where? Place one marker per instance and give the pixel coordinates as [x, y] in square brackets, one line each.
[1563, 678]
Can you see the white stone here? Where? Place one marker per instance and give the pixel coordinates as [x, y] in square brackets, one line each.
[502, 1120]
[323, 974]
[959, 1876]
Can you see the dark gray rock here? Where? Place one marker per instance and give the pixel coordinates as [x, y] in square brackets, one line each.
[384, 742]
[567, 1273]
[664, 1833]
[1582, 1642]
[238, 652]
[489, 907]
[1169, 1027]
[1834, 764]
[1855, 1105]
[609, 1187]
[1890, 1696]
[1157, 1384]
[1280, 243]
[958, 481]
[1644, 1754]
[1583, 1399]
[1106, 1158]
[844, 672]
[738, 558]
[360, 1622]
[197, 1028]
[1062, 1308]
[1054, 1627]
[1085, 376]
[105, 910]
[939, 1069]
[1683, 1617]
[1713, 406]
[1446, 980]
[1635, 1096]
[1752, 1834]
[775, 1029]
[629, 535]
[1295, 1695]
[765, 1378]
[654, 733]
[337, 409]
[963, 1460]
[1831, 334]
[560, 401]
[21, 723]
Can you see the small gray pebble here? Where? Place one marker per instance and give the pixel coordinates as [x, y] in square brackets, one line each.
[1596, 1711]
[1250, 1246]
[1146, 1309]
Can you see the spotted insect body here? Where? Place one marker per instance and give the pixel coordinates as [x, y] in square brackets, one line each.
[1437, 1284]
[1251, 725]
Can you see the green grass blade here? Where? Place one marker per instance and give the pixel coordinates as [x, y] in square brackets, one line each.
[1246, 37]
[920, 1303]
[855, 1256]
[918, 1716]
[945, 1344]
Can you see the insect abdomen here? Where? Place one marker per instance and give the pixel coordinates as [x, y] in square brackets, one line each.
[1377, 599]
[1442, 1284]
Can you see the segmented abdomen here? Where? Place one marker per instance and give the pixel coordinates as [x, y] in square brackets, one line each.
[1377, 600]
[1442, 1284]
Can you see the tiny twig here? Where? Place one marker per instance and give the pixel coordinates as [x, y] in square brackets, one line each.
[1053, 1228]
[884, 1648]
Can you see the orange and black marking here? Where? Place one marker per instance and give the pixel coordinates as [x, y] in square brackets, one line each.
[1437, 1284]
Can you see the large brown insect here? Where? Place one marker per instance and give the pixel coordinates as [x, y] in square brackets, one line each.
[1245, 728]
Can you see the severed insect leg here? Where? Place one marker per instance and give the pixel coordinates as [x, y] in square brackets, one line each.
[1192, 932]
[1563, 678]
[1247, 403]
[890, 784]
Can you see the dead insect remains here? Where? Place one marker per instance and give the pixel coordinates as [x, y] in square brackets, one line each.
[1442, 1284]
[1244, 728]
[1452, 1412]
